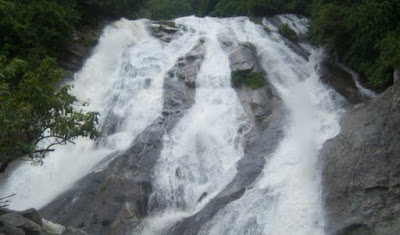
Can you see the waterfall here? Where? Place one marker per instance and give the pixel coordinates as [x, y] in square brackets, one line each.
[123, 81]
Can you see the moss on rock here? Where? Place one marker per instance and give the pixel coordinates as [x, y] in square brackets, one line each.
[253, 80]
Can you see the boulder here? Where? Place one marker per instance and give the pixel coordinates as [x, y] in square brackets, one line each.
[189, 66]
[13, 223]
[163, 30]
[361, 169]
[32, 215]
[341, 81]
[243, 58]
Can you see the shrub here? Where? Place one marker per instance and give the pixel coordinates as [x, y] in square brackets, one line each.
[253, 80]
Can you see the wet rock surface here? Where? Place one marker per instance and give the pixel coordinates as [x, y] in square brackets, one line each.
[79, 48]
[164, 30]
[114, 198]
[361, 169]
[341, 81]
[265, 109]
[29, 222]
[292, 44]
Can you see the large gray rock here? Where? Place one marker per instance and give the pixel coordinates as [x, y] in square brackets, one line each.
[243, 58]
[341, 81]
[29, 222]
[114, 199]
[79, 47]
[292, 44]
[166, 31]
[189, 66]
[361, 169]
[13, 223]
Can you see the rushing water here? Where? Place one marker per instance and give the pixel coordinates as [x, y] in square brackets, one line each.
[123, 80]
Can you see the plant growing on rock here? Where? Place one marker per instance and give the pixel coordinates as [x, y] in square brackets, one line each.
[253, 80]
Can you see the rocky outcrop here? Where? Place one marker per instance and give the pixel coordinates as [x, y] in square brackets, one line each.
[265, 109]
[361, 169]
[341, 81]
[164, 30]
[292, 44]
[189, 66]
[78, 48]
[112, 200]
[29, 222]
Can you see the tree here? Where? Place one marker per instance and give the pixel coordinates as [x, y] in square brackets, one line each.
[32, 110]
[165, 9]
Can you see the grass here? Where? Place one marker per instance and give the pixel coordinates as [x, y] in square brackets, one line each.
[253, 80]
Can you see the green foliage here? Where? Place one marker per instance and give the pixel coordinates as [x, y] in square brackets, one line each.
[34, 29]
[203, 7]
[165, 9]
[287, 32]
[231, 8]
[93, 11]
[253, 80]
[364, 34]
[34, 110]
[31, 109]
[258, 7]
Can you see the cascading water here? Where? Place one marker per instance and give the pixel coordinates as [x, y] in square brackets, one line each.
[123, 80]
[285, 199]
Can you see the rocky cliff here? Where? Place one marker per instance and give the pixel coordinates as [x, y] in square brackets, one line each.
[361, 168]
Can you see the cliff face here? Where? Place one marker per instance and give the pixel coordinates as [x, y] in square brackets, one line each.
[361, 168]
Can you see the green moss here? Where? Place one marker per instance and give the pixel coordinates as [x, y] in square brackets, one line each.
[287, 32]
[253, 80]
[104, 186]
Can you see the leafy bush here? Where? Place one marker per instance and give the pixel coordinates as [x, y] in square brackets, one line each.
[364, 34]
[253, 80]
[165, 9]
[34, 29]
[33, 110]
[258, 7]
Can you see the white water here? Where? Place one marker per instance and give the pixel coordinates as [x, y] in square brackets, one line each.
[201, 152]
[286, 197]
[199, 155]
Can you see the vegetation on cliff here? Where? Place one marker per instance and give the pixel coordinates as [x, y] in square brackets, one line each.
[32, 34]
[363, 34]
[253, 80]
